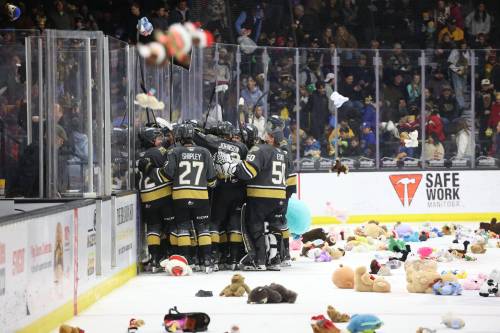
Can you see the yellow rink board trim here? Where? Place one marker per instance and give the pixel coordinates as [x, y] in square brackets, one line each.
[407, 218]
[52, 320]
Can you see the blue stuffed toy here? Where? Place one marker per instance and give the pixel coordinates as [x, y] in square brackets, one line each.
[144, 27]
[447, 288]
[298, 216]
[412, 238]
[438, 232]
[364, 323]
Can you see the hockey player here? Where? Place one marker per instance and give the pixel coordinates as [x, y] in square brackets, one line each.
[265, 171]
[291, 187]
[155, 194]
[228, 196]
[191, 170]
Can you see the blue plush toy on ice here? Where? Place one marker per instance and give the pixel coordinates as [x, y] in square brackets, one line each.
[411, 238]
[364, 323]
[447, 288]
[298, 216]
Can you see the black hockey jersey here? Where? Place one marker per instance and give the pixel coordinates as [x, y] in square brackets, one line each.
[237, 150]
[191, 170]
[291, 181]
[153, 186]
[265, 168]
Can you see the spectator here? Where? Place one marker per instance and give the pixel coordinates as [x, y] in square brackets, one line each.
[251, 94]
[430, 101]
[294, 132]
[364, 75]
[437, 83]
[347, 88]
[312, 148]
[484, 101]
[343, 133]
[327, 37]
[456, 11]
[393, 93]
[318, 109]
[413, 89]
[251, 19]
[368, 141]
[451, 28]
[349, 13]
[159, 19]
[330, 88]
[448, 106]
[304, 25]
[459, 60]
[404, 151]
[344, 40]
[427, 31]
[441, 14]
[354, 149]
[463, 140]
[496, 142]
[443, 50]
[369, 113]
[132, 20]
[60, 18]
[181, 13]
[399, 62]
[495, 112]
[479, 21]
[434, 125]
[433, 149]
[259, 121]
[494, 73]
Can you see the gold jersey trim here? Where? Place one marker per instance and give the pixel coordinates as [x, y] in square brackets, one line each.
[156, 194]
[190, 194]
[266, 193]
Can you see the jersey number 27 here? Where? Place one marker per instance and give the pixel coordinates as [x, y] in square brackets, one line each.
[188, 166]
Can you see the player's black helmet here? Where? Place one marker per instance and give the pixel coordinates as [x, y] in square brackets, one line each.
[274, 122]
[184, 132]
[225, 128]
[252, 135]
[148, 135]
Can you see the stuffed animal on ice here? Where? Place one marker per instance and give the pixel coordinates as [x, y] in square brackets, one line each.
[176, 265]
[298, 216]
[413, 237]
[379, 269]
[403, 229]
[320, 324]
[425, 252]
[459, 251]
[274, 293]
[365, 282]
[70, 329]
[361, 323]
[492, 226]
[149, 101]
[134, 325]
[479, 245]
[343, 277]
[421, 276]
[447, 288]
[452, 321]
[314, 234]
[454, 275]
[319, 250]
[374, 230]
[337, 317]
[475, 282]
[237, 288]
[491, 286]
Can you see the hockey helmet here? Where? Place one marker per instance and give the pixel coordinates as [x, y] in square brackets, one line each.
[148, 135]
[184, 132]
[225, 128]
[252, 135]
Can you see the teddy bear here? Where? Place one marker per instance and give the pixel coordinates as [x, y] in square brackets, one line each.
[337, 317]
[422, 281]
[458, 252]
[475, 282]
[447, 288]
[334, 252]
[343, 277]
[479, 246]
[452, 322]
[320, 324]
[373, 230]
[237, 288]
[492, 226]
[70, 329]
[364, 282]
[317, 233]
[274, 293]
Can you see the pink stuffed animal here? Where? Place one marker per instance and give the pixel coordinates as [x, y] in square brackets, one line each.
[475, 282]
[296, 245]
[424, 252]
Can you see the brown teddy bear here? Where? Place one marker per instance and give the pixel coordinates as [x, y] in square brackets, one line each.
[421, 276]
[337, 317]
[365, 282]
[70, 329]
[335, 253]
[237, 288]
[479, 246]
[343, 277]
[274, 293]
[374, 230]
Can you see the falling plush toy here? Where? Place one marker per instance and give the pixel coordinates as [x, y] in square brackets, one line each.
[361, 323]
[134, 325]
[339, 168]
[149, 101]
[450, 321]
[337, 317]
[237, 288]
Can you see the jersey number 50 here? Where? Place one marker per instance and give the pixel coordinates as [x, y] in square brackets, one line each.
[185, 177]
[278, 173]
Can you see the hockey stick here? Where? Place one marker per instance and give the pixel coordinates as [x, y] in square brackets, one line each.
[247, 242]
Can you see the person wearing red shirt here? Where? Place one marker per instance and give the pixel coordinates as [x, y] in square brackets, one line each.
[495, 113]
[435, 125]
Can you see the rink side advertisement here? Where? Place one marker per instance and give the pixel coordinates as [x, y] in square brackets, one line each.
[418, 196]
[125, 230]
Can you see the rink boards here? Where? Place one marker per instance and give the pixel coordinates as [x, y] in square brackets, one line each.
[427, 196]
[56, 262]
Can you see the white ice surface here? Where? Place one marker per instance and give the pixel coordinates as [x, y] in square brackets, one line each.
[149, 297]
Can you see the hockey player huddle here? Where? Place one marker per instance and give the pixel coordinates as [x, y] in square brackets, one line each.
[217, 196]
